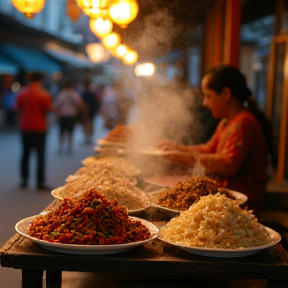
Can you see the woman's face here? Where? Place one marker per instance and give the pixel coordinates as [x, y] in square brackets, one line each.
[216, 103]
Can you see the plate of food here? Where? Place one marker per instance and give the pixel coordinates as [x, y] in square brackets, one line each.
[22, 226]
[185, 193]
[120, 162]
[229, 253]
[120, 134]
[216, 226]
[88, 233]
[238, 197]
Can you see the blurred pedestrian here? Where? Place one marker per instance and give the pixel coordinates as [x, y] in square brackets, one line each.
[9, 100]
[69, 107]
[34, 103]
[92, 102]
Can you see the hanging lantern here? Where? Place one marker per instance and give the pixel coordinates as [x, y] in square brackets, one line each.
[123, 12]
[94, 8]
[97, 53]
[29, 7]
[111, 41]
[121, 50]
[73, 10]
[101, 27]
[130, 57]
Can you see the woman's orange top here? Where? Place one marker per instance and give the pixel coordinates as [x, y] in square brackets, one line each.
[241, 146]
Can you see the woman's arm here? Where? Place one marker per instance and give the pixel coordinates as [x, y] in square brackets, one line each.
[221, 165]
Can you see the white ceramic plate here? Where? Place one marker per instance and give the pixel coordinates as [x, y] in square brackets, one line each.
[22, 226]
[229, 253]
[104, 142]
[240, 198]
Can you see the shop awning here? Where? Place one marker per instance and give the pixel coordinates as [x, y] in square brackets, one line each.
[7, 66]
[76, 59]
[29, 59]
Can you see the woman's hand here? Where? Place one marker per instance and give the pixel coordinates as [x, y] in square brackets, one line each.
[181, 157]
[167, 145]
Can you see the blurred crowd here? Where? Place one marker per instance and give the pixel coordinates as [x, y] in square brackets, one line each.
[30, 108]
[106, 100]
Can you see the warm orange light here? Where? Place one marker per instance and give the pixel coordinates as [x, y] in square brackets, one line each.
[111, 41]
[121, 50]
[29, 7]
[130, 57]
[101, 27]
[94, 8]
[73, 10]
[97, 53]
[144, 69]
[123, 12]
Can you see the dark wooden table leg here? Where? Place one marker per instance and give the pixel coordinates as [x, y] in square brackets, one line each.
[32, 278]
[53, 279]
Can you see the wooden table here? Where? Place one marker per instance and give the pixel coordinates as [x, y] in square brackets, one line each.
[154, 258]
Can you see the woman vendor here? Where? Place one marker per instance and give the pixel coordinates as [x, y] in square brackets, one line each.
[237, 155]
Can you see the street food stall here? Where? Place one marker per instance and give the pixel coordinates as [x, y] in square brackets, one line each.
[189, 228]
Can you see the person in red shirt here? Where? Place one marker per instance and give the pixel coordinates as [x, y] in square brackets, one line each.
[33, 103]
[237, 155]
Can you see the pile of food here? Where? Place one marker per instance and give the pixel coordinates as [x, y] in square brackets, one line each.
[91, 220]
[102, 170]
[120, 133]
[119, 162]
[185, 193]
[127, 195]
[109, 180]
[215, 221]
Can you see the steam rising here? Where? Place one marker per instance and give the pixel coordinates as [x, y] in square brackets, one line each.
[157, 32]
[160, 111]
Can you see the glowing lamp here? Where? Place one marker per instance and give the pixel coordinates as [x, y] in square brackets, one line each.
[111, 41]
[123, 12]
[29, 7]
[93, 8]
[130, 57]
[97, 53]
[145, 69]
[73, 10]
[121, 50]
[101, 27]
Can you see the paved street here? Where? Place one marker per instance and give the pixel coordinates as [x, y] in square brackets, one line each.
[16, 203]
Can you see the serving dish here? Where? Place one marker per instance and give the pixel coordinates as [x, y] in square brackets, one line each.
[22, 226]
[228, 253]
[240, 198]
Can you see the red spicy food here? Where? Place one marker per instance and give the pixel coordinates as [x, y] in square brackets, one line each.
[90, 219]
